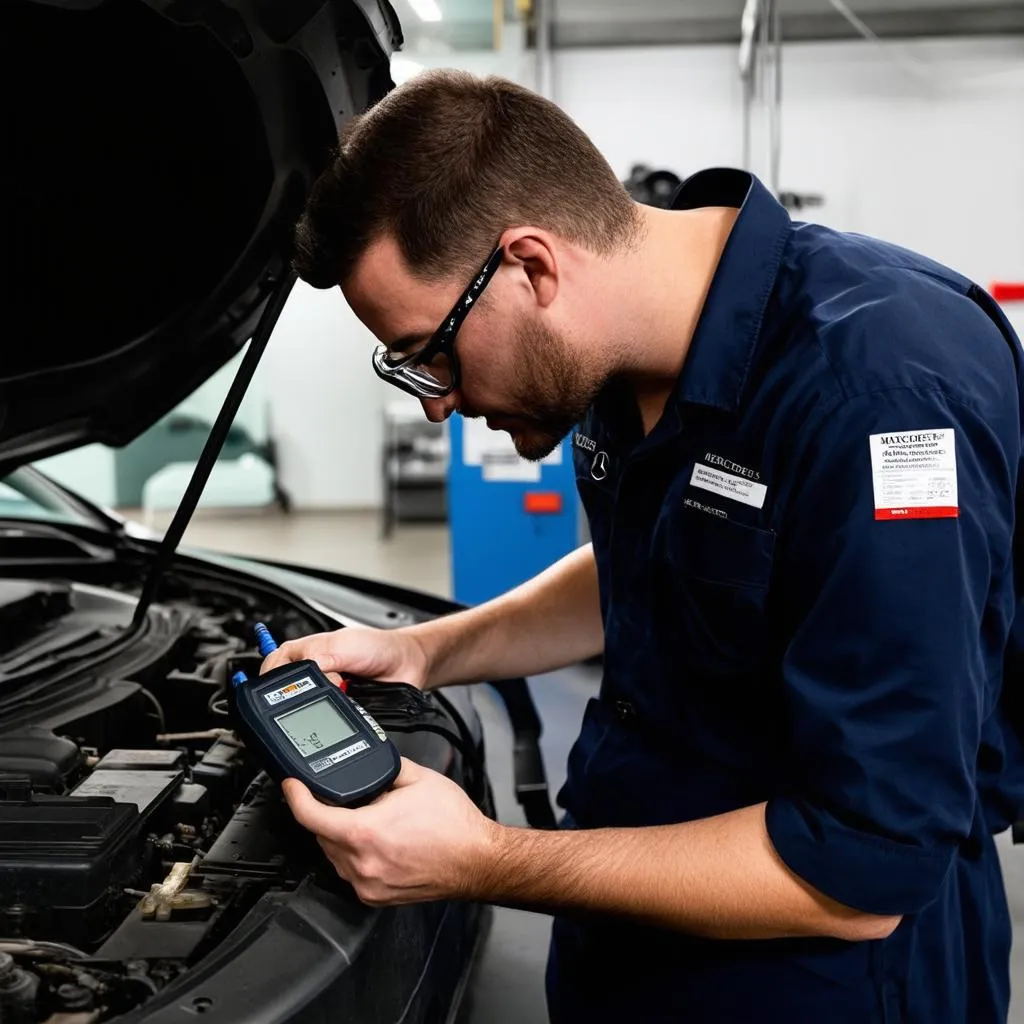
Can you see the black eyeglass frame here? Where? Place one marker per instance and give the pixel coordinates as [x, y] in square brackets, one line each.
[406, 372]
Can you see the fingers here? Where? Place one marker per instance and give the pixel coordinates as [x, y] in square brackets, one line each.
[276, 658]
[310, 813]
[307, 647]
[289, 651]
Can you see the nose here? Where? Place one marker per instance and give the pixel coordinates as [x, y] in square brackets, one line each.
[437, 410]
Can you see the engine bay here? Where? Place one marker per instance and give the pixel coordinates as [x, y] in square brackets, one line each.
[136, 830]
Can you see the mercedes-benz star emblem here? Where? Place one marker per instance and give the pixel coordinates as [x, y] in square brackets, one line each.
[599, 467]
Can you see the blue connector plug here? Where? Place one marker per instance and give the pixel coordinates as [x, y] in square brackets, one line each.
[267, 643]
[239, 679]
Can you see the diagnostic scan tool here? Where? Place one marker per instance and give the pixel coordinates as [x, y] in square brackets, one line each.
[302, 726]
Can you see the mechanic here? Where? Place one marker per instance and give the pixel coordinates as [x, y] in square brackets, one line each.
[798, 451]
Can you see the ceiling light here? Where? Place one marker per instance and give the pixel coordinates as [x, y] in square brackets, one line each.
[426, 10]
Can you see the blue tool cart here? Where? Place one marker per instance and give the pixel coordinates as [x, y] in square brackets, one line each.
[510, 518]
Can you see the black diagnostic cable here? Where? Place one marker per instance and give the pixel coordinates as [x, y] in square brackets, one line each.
[394, 704]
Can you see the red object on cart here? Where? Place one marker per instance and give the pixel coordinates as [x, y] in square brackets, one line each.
[542, 502]
[1007, 291]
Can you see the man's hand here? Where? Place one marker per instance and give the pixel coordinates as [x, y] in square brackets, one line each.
[422, 840]
[388, 655]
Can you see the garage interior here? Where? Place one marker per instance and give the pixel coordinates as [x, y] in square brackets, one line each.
[901, 119]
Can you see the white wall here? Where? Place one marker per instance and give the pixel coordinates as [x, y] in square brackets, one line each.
[931, 158]
[326, 405]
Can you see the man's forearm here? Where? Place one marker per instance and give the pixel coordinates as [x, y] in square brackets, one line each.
[551, 621]
[718, 878]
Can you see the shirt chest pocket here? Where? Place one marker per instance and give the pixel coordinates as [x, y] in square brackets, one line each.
[712, 589]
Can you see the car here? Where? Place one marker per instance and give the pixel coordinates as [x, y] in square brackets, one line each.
[149, 869]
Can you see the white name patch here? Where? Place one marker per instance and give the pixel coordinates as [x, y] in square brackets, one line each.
[914, 474]
[728, 485]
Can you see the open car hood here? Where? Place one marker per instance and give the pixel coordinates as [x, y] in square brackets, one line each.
[159, 152]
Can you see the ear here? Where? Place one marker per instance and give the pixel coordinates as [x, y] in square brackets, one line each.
[534, 250]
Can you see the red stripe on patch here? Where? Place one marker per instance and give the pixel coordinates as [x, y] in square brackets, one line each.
[923, 512]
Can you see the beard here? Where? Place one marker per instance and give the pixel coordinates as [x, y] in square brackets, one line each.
[552, 391]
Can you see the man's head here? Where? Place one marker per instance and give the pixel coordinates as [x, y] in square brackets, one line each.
[422, 190]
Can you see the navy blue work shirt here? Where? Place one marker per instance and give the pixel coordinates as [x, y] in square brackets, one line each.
[807, 583]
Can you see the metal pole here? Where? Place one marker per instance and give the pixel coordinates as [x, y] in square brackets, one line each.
[498, 16]
[765, 87]
[748, 71]
[543, 15]
[748, 103]
[776, 121]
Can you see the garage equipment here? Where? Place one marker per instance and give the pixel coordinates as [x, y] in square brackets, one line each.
[414, 467]
[510, 518]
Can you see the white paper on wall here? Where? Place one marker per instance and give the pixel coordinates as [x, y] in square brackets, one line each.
[495, 452]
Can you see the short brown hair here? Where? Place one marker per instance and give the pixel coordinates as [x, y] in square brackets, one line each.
[447, 162]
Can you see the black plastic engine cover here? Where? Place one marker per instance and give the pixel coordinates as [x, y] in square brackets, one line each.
[26, 606]
[47, 760]
[64, 862]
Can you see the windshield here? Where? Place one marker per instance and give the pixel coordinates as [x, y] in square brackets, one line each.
[145, 479]
[26, 495]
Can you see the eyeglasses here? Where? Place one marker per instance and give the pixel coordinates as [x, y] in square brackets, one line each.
[433, 371]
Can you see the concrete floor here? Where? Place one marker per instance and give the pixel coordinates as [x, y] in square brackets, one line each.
[509, 984]
[416, 555]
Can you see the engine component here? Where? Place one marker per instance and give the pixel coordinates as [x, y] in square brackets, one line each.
[68, 859]
[138, 938]
[28, 606]
[75, 998]
[47, 760]
[64, 861]
[18, 990]
[254, 842]
[147, 790]
[171, 894]
[100, 713]
[190, 805]
[142, 760]
[219, 770]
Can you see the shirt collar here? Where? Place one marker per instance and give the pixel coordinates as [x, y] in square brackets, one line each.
[723, 343]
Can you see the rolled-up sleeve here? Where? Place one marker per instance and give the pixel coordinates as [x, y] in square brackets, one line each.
[892, 665]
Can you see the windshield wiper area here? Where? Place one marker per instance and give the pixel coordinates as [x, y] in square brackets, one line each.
[29, 542]
[48, 625]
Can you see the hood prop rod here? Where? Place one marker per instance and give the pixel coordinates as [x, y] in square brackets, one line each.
[214, 443]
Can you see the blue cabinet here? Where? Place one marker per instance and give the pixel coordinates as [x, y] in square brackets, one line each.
[510, 519]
